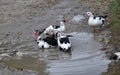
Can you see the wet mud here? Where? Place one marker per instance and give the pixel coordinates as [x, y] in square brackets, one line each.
[19, 54]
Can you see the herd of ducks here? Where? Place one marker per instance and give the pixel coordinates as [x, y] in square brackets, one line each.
[53, 35]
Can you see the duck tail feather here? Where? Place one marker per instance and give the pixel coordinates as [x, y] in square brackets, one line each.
[69, 35]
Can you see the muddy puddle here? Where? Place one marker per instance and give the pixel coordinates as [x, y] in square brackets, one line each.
[25, 58]
[19, 54]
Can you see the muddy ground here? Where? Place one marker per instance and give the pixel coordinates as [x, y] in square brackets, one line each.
[19, 19]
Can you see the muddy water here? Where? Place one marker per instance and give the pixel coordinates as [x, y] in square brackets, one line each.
[19, 54]
[85, 58]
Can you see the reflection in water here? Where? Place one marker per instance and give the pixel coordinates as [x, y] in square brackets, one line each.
[24, 58]
[85, 58]
[54, 54]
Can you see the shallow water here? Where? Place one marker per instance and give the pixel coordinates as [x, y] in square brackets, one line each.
[19, 54]
[85, 58]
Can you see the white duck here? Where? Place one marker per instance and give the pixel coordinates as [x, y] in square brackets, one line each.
[116, 56]
[95, 20]
[45, 41]
[49, 30]
[63, 42]
[60, 27]
[56, 28]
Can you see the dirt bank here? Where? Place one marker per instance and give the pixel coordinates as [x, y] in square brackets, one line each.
[114, 67]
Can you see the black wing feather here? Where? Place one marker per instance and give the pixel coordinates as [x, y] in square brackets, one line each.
[51, 40]
[56, 27]
[64, 40]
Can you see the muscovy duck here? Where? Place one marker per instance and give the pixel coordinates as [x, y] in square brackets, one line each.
[56, 28]
[63, 42]
[95, 20]
[45, 41]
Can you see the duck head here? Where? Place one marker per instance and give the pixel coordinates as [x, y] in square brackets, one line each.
[60, 35]
[89, 14]
[38, 32]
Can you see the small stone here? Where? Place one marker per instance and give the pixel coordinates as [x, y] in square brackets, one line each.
[19, 33]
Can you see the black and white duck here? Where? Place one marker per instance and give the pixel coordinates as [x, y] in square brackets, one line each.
[45, 41]
[95, 20]
[63, 42]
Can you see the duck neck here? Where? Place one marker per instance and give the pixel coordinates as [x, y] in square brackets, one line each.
[91, 15]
